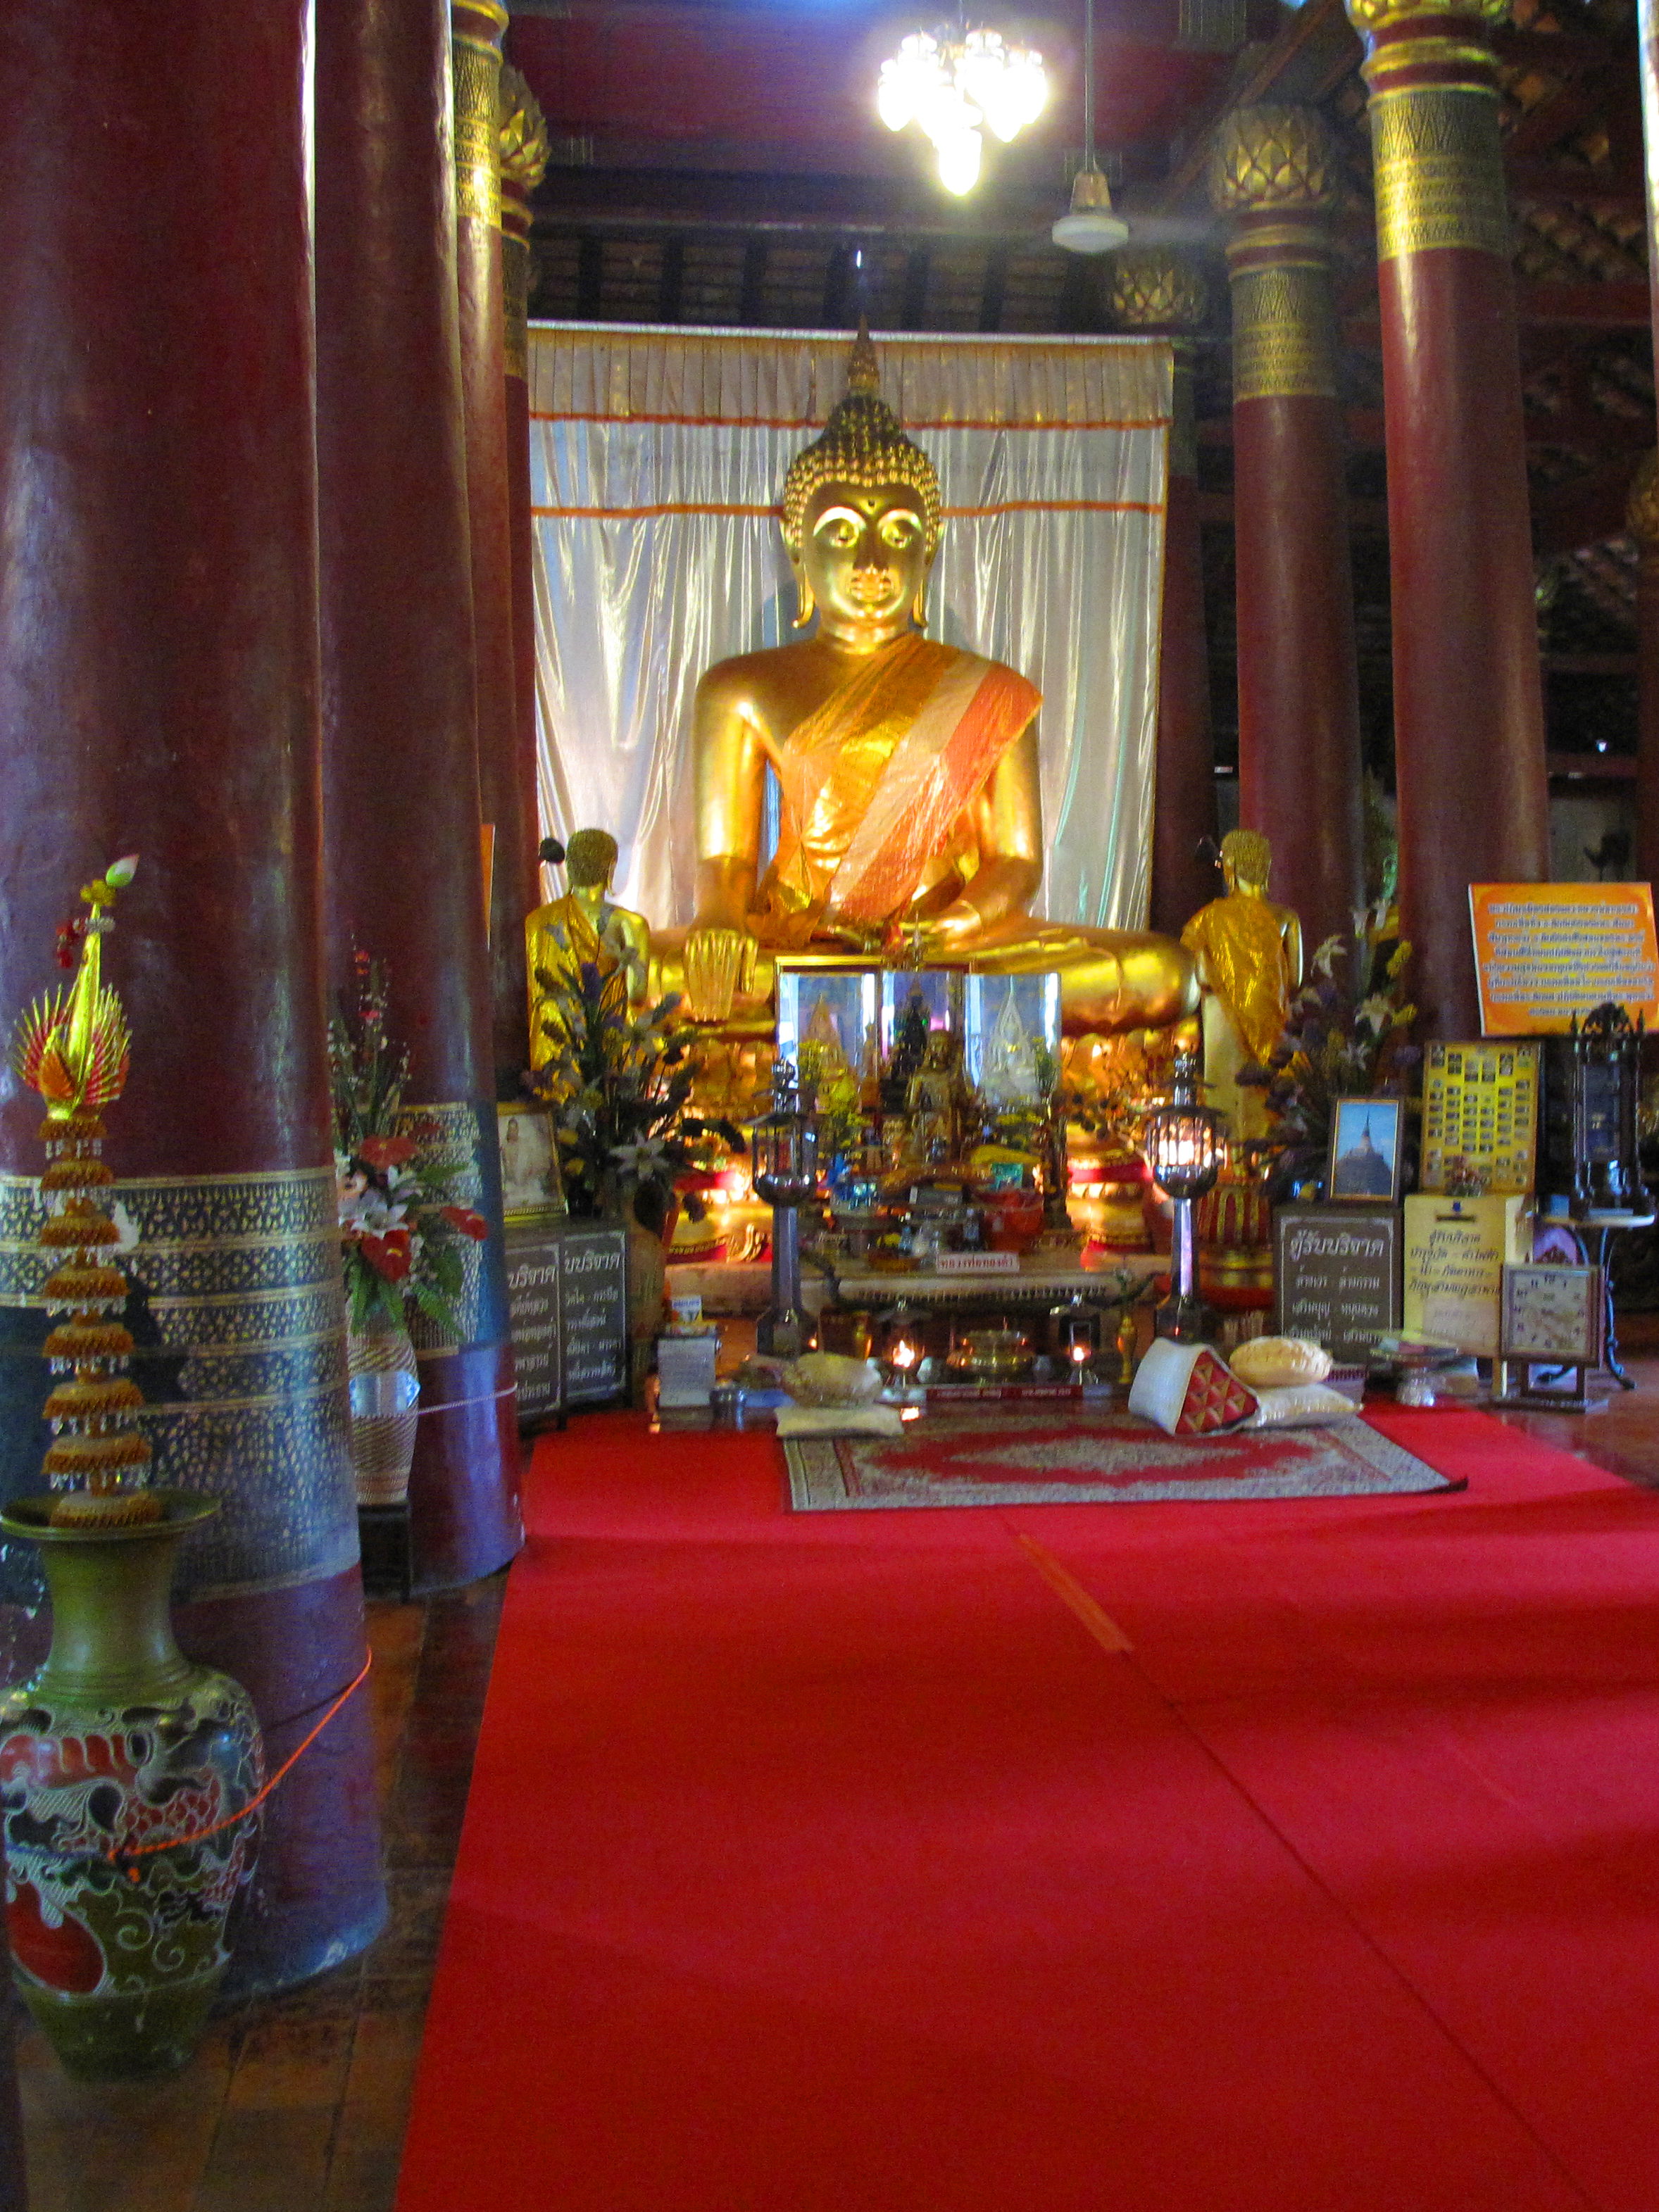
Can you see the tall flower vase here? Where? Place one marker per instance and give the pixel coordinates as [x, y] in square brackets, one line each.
[124, 1772]
[386, 1383]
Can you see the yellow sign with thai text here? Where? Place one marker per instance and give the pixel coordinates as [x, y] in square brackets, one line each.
[1547, 952]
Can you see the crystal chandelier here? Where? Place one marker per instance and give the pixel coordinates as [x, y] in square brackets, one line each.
[953, 80]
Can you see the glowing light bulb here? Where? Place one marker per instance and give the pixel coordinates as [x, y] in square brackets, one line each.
[895, 100]
[958, 162]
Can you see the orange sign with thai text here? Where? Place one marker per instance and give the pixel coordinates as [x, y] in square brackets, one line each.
[1546, 952]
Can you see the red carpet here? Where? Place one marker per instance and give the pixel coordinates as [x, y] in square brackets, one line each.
[847, 1860]
[1082, 1455]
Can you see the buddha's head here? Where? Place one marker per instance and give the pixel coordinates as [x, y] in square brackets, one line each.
[1247, 860]
[589, 859]
[862, 516]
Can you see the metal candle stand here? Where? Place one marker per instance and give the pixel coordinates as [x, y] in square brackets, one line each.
[1183, 1149]
[785, 1150]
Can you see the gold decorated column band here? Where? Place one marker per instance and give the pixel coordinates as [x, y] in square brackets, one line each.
[1274, 170]
[240, 1324]
[1439, 170]
[1284, 347]
[476, 43]
[523, 163]
[1436, 157]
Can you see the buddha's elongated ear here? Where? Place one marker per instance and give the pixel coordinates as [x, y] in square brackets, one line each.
[805, 604]
[919, 605]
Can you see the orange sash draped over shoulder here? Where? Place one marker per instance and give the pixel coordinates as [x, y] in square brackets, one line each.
[873, 782]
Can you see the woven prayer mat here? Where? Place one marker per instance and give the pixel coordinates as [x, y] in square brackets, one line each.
[1092, 1456]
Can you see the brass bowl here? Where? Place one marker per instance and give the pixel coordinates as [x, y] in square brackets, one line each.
[992, 1355]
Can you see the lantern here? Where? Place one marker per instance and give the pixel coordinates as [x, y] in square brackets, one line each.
[904, 1341]
[1074, 1338]
[1183, 1145]
[784, 1151]
[1592, 1081]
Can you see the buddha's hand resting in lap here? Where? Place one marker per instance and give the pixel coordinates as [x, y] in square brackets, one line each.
[720, 962]
[937, 938]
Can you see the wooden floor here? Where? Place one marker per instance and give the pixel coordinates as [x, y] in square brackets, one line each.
[299, 2104]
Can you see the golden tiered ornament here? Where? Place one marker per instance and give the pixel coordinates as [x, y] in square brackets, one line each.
[73, 1047]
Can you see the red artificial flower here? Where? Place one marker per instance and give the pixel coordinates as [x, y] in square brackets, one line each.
[384, 1152]
[470, 1223]
[69, 935]
[389, 1255]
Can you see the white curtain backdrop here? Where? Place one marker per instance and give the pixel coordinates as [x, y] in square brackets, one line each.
[656, 460]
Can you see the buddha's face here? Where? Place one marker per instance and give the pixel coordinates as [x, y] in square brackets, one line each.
[864, 555]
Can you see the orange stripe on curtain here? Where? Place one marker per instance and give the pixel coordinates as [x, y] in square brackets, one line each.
[816, 422]
[951, 514]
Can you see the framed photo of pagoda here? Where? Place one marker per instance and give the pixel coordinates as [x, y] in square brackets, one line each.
[1367, 1148]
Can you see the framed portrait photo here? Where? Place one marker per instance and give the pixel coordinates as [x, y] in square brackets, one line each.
[530, 1187]
[1367, 1147]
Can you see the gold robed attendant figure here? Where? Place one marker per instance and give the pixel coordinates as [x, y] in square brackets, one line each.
[910, 815]
[1250, 962]
[585, 925]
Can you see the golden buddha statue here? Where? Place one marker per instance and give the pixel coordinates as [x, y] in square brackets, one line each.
[583, 926]
[911, 815]
[1250, 961]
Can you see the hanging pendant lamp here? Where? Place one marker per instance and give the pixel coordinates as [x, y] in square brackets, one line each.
[1091, 226]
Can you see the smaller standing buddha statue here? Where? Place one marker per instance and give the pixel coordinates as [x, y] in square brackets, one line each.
[583, 926]
[1250, 961]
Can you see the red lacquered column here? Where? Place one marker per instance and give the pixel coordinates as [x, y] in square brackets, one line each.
[478, 27]
[1468, 700]
[1642, 521]
[1275, 174]
[1162, 293]
[403, 877]
[524, 162]
[159, 694]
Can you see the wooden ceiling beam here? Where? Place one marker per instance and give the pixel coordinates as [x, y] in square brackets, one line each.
[611, 200]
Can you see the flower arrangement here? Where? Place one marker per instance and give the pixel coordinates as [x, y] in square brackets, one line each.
[619, 1085]
[1347, 1037]
[402, 1235]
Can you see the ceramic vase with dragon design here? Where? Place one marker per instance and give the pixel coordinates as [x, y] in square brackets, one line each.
[125, 1774]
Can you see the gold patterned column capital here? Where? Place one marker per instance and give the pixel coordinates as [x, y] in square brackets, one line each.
[524, 136]
[524, 151]
[1369, 17]
[1274, 171]
[1156, 289]
[1274, 160]
[476, 29]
